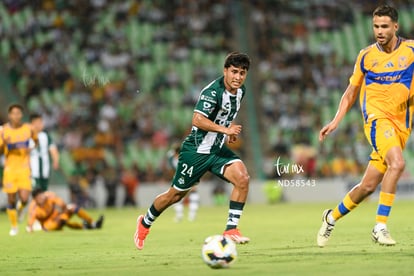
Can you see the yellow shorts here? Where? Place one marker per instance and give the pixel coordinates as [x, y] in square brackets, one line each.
[14, 180]
[55, 223]
[382, 135]
[51, 225]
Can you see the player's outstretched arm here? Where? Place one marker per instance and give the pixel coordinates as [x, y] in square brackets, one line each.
[347, 101]
[202, 122]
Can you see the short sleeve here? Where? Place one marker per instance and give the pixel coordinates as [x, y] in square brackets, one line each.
[207, 102]
[358, 74]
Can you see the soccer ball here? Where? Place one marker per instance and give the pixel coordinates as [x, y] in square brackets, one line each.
[219, 251]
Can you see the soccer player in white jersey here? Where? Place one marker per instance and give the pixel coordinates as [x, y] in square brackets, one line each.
[204, 149]
[44, 156]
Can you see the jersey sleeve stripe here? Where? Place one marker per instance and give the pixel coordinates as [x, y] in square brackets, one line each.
[201, 112]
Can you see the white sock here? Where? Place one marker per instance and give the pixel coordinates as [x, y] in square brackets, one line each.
[330, 219]
[179, 210]
[380, 226]
[193, 205]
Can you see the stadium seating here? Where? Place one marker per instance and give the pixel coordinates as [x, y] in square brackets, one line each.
[57, 54]
[327, 56]
[150, 56]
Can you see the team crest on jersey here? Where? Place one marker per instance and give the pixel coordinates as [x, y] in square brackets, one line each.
[402, 62]
[389, 133]
[181, 181]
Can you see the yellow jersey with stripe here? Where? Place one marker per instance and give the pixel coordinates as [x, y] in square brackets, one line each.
[15, 142]
[386, 81]
[50, 214]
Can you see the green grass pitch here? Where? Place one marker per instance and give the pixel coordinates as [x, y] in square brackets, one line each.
[282, 243]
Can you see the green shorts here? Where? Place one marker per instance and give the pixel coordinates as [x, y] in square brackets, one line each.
[192, 166]
[42, 183]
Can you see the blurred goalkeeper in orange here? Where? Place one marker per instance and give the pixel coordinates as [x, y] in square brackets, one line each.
[53, 213]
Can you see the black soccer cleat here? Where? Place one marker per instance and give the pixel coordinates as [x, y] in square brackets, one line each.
[99, 222]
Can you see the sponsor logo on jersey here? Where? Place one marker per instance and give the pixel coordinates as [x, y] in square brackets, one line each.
[18, 145]
[208, 99]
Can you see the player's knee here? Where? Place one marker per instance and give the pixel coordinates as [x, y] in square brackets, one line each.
[397, 165]
[242, 182]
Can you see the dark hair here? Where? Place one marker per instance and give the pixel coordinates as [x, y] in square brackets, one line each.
[36, 191]
[385, 10]
[35, 116]
[238, 60]
[13, 106]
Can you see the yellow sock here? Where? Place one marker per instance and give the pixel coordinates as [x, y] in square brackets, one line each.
[74, 225]
[12, 213]
[84, 215]
[344, 207]
[384, 207]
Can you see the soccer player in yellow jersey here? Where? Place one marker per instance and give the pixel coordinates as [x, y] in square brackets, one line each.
[14, 140]
[383, 79]
[53, 213]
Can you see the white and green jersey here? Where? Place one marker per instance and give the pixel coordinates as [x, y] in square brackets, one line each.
[219, 106]
[39, 156]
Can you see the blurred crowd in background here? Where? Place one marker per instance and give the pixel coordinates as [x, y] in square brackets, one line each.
[116, 81]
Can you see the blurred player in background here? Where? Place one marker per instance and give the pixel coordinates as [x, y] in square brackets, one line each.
[204, 149]
[193, 196]
[53, 213]
[44, 156]
[14, 139]
[383, 78]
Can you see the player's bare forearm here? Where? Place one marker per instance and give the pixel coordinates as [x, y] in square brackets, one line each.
[34, 137]
[202, 122]
[347, 101]
[54, 153]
